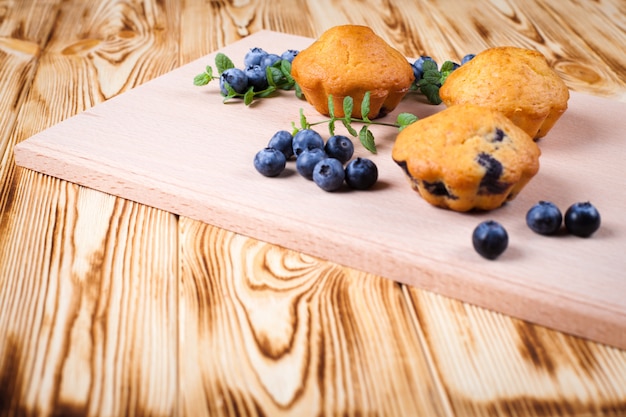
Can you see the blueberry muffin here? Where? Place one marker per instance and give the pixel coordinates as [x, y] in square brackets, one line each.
[466, 157]
[350, 60]
[517, 82]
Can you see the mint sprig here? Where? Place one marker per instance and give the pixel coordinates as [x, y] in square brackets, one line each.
[364, 134]
[278, 78]
[432, 79]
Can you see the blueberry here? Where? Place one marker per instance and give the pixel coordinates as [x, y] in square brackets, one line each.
[307, 160]
[467, 58]
[339, 147]
[490, 239]
[418, 66]
[283, 141]
[328, 174]
[254, 57]
[544, 218]
[582, 219]
[256, 77]
[361, 173]
[289, 55]
[270, 162]
[236, 78]
[269, 60]
[306, 139]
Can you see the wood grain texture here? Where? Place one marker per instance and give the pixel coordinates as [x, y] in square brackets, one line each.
[466, 349]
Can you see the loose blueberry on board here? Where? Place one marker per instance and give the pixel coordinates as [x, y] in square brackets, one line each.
[236, 78]
[269, 60]
[339, 147]
[306, 161]
[490, 239]
[289, 55]
[544, 218]
[270, 162]
[328, 174]
[254, 57]
[283, 141]
[256, 77]
[582, 219]
[467, 58]
[418, 65]
[306, 139]
[361, 173]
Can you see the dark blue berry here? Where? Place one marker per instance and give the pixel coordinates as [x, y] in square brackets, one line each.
[289, 55]
[490, 239]
[582, 219]
[256, 77]
[307, 161]
[283, 141]
[418, 66]
[490, 183]
[269, 60]
[339, 147]
[328, 174]
[236, 78]
[270, 162]
[361, 173]
[467, 58]
[254, 57]
[306, 139]
[544, 218]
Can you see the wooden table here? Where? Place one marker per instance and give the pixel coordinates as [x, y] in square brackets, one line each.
[111, 308]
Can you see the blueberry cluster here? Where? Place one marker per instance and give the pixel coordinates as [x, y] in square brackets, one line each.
[429, 77]
[582, 219]
[254, 74]
[328, 164]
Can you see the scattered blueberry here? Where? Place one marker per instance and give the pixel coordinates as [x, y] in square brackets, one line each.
[467, 58]
[254, 57]
[419, 64]
[256, 77]
[236, 78]
[269, 60]
[339, 147]
[289, 55]
[361, 173]
[544, 218]
[306, 139]
[270, 162]
[328, 174]
[490, 239]
[306, 161]
[283, 141]
[582, 219]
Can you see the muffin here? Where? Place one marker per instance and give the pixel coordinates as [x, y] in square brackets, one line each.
[515, 81]
[466, 157]
[350, 60]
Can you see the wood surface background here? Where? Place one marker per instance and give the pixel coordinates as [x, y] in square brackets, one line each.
[111, 308]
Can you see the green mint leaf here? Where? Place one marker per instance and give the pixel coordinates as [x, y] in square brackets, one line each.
[331, 106]
[222, 62]
[331, 127]
[430, 77]
[298, 91]
[367, 139]
[429, 65]
[348, 106]
[248, 97]
[349, 127]
[303, 122]
[274, 76]
[285, 68]
[405, 119]
[431, 91]
[201, 79]
[265, 93]
[365, 106]
[447, 66]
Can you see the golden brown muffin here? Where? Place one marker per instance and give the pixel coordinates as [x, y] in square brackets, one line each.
[350, 60]
[466, 157]
[515, 81]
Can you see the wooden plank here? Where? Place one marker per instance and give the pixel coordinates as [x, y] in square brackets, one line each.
[185, 160]
[493, 365]
[268, 331]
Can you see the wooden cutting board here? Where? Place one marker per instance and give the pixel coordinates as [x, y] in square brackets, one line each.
[177, 147]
